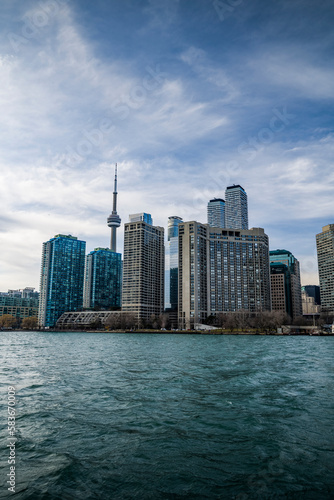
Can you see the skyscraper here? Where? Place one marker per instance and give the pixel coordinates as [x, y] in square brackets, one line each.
[285, 283]
[114, 220]
[221, 271]
[102, 283]
[143, 270]
[216, 213]
[172, 263]
[325, 251]
[62, 275]
[236, 208]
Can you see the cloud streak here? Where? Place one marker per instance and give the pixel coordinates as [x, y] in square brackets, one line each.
[183, 109]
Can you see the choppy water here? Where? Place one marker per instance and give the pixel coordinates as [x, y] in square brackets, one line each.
[139, 416]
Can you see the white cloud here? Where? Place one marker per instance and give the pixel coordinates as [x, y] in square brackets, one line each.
[207, 72]
[174, 137]
[290, 68]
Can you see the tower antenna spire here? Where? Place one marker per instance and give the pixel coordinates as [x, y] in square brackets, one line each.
[114, 220]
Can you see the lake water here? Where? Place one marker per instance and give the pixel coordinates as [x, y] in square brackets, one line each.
[163, 416]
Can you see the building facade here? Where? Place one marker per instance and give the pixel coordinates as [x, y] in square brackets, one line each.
[103, 279]
[285, 283]
[221, 271]
[310, 307]
[62, 276]
[236, 208]
[172, 269]
[325, 251]
[23, 293]
[18, 307]
[216, 213]
[314, 292]
[280, 288]
[143, 270]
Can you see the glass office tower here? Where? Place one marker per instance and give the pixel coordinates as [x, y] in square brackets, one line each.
[285, 282]
[103, 278]
[172, 263]
[62, 276]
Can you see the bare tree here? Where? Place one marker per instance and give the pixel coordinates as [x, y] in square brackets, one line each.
[7, 321]
[29, 323]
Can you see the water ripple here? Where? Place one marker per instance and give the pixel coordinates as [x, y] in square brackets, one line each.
[170, 417]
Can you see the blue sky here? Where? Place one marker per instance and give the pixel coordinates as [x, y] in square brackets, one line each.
[187, 96]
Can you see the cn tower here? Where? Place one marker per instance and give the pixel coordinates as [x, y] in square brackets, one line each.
[114, 220]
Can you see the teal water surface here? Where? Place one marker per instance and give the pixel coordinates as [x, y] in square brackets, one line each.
[140, 416]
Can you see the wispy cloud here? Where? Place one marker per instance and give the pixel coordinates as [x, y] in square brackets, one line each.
[174, 98]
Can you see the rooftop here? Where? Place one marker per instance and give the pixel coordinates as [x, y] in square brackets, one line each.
[235, 186]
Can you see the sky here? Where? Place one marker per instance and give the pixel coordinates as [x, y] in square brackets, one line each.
[187, 96]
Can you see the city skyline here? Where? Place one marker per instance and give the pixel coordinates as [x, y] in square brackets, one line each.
[186, 98]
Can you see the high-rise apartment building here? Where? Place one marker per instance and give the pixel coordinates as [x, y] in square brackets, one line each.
[143, 270]
[103, 279]
[216, 213]
[236, 208]
[62, 276]
[172, 263]
[285, 283]
[221, 270]
[325, 251]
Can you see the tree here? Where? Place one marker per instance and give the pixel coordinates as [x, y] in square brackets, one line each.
[265, 321]
[7, 321]
[96, 324]
[121, 321]
[128, 320]
[241, 318]
[29, 323]
[230, 321]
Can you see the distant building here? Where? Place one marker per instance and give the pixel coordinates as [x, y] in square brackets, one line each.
[103, 279]
[236, 208]
[325, 251]
[143, 269]
[24, 293]
[62, 276]
[285, 283]
[216, 213]
[141, 217]
[18, 306]
[313, 291]
[308, 302]
[221, 270]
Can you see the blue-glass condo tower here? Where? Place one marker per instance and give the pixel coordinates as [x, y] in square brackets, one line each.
[62, 273]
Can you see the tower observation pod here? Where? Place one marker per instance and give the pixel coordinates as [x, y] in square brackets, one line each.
[114, 220]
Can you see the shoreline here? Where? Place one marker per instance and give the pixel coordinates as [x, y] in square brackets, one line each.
[177, 332]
